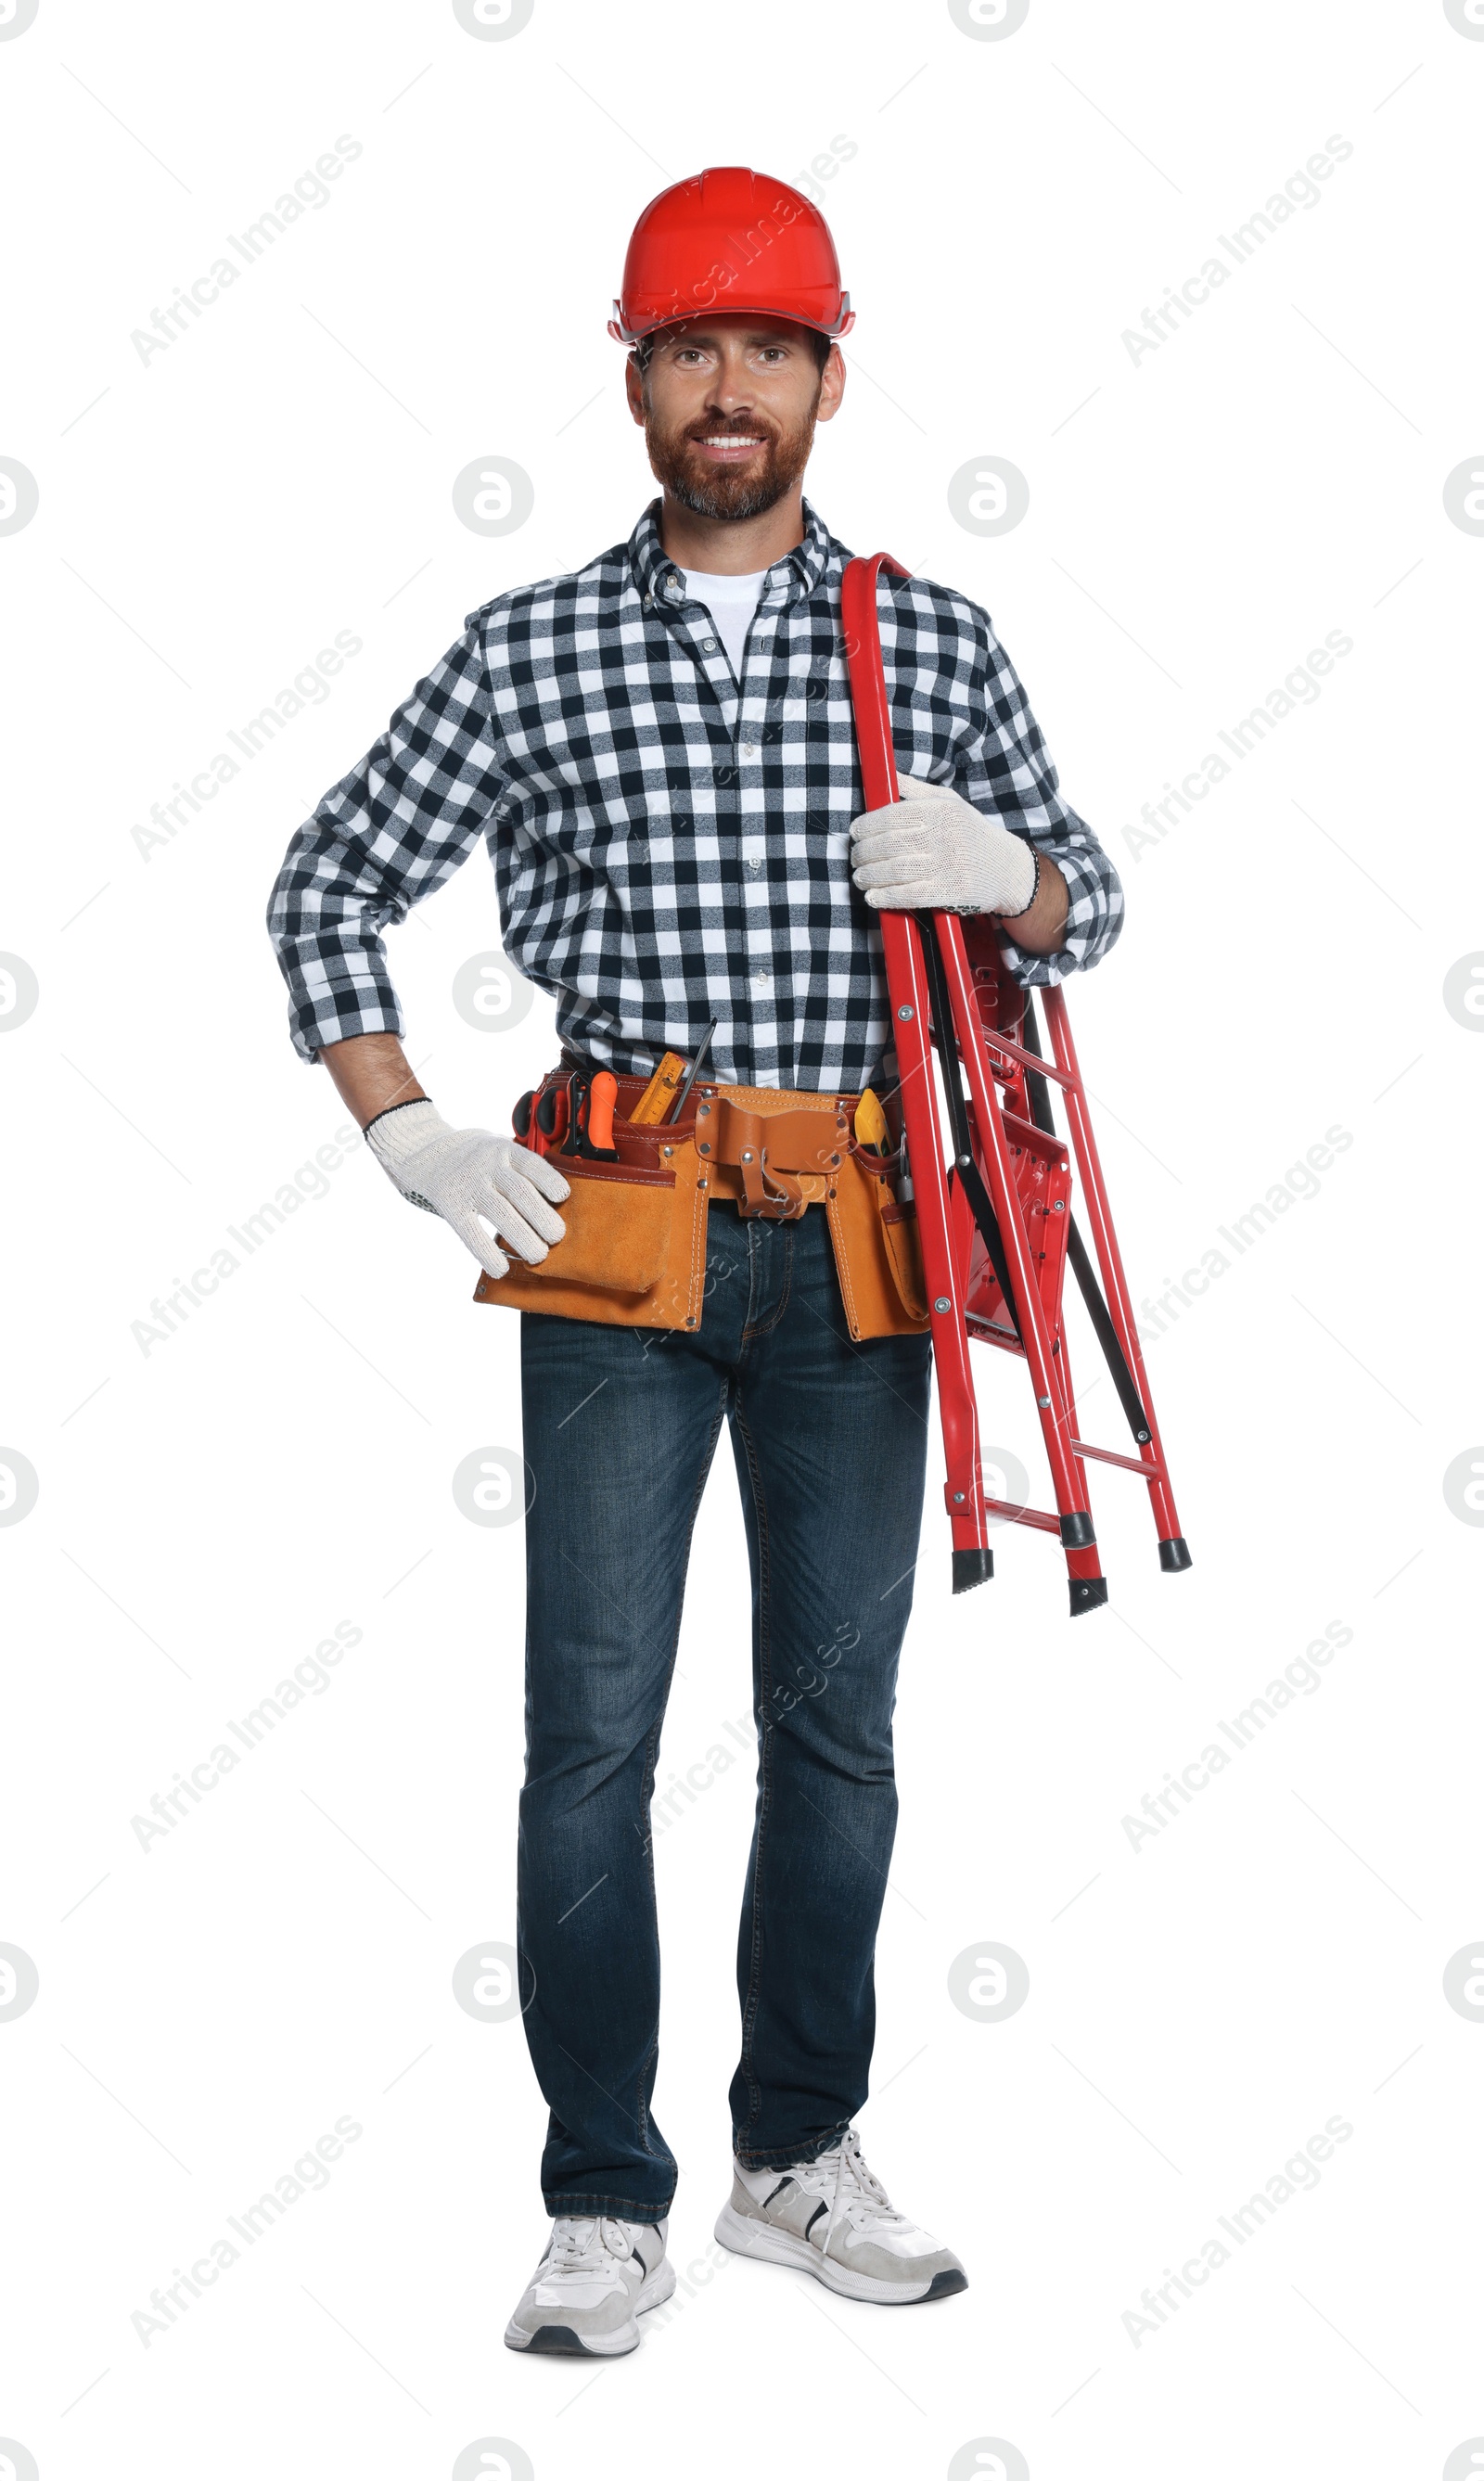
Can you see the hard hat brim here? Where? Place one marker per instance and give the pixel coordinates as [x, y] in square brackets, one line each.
[623, 333]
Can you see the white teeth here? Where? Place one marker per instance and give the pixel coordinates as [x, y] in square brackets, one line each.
[733, 439]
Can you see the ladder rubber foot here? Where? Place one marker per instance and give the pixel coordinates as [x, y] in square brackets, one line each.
[971, 1568]
[1174, 1557]
[1089, 1594]
[1077, 1534]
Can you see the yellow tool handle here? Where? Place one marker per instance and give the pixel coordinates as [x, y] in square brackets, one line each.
[870, 1128]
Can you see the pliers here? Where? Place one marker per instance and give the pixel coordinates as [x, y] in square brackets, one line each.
[574, 1116]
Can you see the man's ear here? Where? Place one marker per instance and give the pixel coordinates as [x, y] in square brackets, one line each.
[832, 385]
[634, 383]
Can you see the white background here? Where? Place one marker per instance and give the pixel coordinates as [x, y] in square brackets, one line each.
[210, 1508]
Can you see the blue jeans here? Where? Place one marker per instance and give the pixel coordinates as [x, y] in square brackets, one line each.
[830, 1442]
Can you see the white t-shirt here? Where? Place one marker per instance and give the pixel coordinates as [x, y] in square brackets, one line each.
[731, 602]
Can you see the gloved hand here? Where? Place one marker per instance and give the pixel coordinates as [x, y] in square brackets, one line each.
[934, 853]
[464, 1173]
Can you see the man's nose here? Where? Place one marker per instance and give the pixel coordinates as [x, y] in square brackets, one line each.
[732, 391]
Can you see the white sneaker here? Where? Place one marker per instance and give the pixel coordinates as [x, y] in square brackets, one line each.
[833, 2219]
[594, 2284]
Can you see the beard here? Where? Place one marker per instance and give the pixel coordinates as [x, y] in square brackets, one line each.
[730, 493]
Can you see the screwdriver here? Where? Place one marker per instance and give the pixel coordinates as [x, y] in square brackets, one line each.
[692, 1071]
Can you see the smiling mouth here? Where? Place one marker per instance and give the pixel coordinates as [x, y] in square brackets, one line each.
[727, 445]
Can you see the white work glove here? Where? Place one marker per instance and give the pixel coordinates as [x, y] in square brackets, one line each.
[471, 1178]
[934, 853]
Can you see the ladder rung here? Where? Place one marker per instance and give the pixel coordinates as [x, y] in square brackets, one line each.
[1036, 1516]
[1128, 1464]
[1031, 1060]
[986, 1328]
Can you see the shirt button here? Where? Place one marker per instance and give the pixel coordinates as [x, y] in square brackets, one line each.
[707, 645]
[749, 749]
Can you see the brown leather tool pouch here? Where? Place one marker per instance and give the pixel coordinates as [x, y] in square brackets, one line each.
[634, 1251]
[877, 1256]
[904, 1248]
[635, 1248]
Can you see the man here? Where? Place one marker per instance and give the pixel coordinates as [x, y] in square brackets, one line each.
[659, 754]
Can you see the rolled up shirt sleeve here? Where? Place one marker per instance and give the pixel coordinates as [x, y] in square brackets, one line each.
[385, 836]
[1009, 774]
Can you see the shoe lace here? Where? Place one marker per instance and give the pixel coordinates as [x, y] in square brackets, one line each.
[587, 2244]
[855, 2193]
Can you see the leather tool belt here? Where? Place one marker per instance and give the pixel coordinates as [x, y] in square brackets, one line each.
[635, 1250]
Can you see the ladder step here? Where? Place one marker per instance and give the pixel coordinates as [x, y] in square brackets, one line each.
[1036, 1516]
[989, 1333]
[1126, 1464]
[1030, 1060]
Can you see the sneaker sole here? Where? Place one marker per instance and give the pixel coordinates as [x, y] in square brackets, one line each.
[654, 2292]
[772, 2247]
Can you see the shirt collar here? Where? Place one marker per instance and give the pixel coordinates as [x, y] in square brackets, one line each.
[658, 580]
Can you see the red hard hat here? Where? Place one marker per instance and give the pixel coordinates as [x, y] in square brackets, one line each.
[730, 239]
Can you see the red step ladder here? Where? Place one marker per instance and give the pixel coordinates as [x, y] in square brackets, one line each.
[993, 1208]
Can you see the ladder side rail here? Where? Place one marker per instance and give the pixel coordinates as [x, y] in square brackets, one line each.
[946, 1282]
[1068, 1474]
[1173, 1553]
[944, 1278]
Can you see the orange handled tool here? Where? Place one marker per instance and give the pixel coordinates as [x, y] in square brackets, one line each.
[590, 1104]
[602, 1095]
[574, 1116]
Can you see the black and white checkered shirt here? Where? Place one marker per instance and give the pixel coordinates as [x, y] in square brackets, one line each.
[670, 844]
